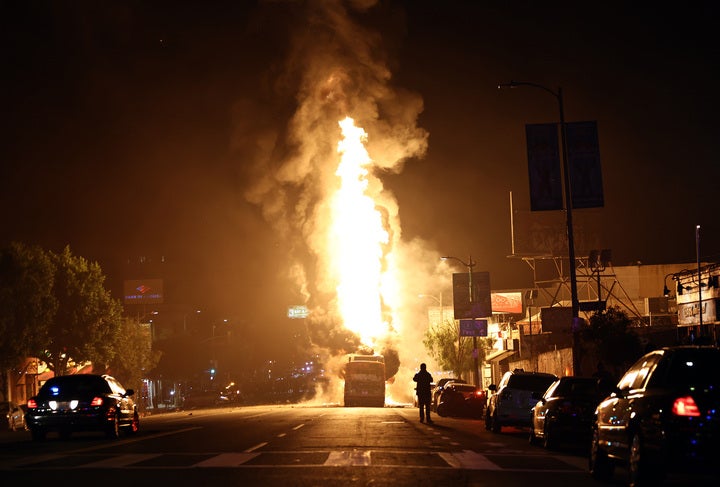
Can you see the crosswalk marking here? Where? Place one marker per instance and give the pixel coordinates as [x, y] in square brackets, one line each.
[469, 460]
[227, 460]
[120, 461]
[348, 458]
[466, 459]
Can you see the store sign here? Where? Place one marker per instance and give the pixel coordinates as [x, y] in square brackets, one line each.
[143, 291]
[689, 315]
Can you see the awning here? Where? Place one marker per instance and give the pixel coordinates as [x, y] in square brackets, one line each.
[498, 355]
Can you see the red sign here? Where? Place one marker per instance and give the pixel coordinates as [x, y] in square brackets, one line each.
[510, 302]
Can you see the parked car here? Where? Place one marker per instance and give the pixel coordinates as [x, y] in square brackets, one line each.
[438, 388]
[82, 402]
[462, 400]
[511, 401]
[565, 412]
[663, 416]
[14, 414]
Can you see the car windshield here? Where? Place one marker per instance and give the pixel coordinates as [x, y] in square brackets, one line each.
[535, 383]
[576, 387]
[74, 385]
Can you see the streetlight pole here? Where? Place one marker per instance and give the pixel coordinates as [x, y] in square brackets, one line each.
[568, 207]
[699, 279]
[470, 264]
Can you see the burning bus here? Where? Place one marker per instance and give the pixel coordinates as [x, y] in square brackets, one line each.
[364, 381]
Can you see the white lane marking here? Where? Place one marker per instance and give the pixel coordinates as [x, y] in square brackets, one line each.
[468, 459]
[121, 460]
[353, 458]
[256, 447]
[281, 435]
[227, 460]
[298, 427]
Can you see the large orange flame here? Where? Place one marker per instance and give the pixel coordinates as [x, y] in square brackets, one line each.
[357, 237]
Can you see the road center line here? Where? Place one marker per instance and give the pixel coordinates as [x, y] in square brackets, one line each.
[259, 445]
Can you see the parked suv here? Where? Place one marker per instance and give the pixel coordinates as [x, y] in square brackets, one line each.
[82, 402]
[511, 401]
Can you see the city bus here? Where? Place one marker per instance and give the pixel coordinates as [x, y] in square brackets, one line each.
[364, 381]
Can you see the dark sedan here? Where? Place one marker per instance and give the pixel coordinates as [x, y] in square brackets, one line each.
[461, 400]
[664, 416]
[82, 402]
[565, 412]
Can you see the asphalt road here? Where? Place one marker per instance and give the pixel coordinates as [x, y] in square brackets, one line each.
[294, 446]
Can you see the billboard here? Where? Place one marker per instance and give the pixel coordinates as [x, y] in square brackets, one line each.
[507, 302]
[143, 291]
[584, 163]
[544, 167]
[480, 305]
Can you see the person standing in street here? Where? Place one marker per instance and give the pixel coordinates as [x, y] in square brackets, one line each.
[423, 379]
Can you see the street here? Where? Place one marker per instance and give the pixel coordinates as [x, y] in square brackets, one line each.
[294, 445]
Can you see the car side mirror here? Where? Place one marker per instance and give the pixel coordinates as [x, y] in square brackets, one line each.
[129, 392]
[492, 387]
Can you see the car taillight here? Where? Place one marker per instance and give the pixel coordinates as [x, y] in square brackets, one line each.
[685, 406]
[32, 404]
[96, 401]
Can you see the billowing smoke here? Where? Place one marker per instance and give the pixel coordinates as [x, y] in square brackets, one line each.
[335, 70]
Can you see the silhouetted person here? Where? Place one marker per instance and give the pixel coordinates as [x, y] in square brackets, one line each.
[423, 379]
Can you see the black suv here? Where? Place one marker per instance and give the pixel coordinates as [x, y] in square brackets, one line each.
[511, 401]
[82, 402]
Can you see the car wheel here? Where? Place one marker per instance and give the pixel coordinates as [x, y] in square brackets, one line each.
[532, 438]
[639, 471]
[600, 465]
[548, 438]
[442, 409]
[496, 428]
[135, 424]
[113, 428]
[37, 434]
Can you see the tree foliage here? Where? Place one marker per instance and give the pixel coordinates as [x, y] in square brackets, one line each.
[134, 355]
[27, 304]
[610, 339]
[87, 322]
[452, 352]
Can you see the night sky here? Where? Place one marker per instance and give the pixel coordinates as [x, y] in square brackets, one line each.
[127, 128]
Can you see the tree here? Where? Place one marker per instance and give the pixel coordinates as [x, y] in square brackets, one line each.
[451, 353]
[87, 322]
[134, 355]
[27, 304]
[609, 339]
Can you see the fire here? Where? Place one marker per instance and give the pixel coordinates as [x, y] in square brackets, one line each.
[357, 239]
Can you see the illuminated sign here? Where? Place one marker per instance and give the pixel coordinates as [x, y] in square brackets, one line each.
[143, 291]
[295, 312]
[510, 302]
